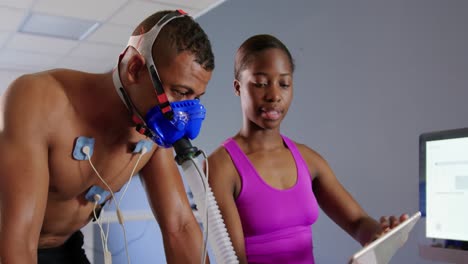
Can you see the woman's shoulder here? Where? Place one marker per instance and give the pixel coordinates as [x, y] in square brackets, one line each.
[219, 153]
[308, 153]
[221, 166]
[313, 158]
[220, 156]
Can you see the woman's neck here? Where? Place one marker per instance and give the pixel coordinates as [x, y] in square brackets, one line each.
[262, 139]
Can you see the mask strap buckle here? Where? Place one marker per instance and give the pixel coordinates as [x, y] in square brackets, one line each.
[163, 102]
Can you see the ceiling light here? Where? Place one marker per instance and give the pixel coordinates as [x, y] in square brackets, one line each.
[58, 26]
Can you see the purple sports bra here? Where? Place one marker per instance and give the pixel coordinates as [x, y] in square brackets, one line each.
[276, 223]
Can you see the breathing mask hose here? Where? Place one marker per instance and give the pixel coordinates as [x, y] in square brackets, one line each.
[218, 237]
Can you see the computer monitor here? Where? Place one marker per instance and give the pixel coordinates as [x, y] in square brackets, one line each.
[443, 189]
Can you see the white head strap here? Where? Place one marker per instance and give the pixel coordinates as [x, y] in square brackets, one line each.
[143, 43]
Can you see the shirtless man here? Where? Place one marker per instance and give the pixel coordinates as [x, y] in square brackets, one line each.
[43, 186]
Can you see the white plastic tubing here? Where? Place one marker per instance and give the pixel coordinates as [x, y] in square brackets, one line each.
[218, 237]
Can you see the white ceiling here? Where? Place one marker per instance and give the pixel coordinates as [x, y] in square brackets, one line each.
[22, 53]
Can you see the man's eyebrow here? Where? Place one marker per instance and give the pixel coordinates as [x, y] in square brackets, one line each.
[188, 89]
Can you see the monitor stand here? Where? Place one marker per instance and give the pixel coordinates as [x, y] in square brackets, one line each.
[456, 256]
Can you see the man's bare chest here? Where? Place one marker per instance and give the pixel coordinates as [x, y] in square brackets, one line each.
[104, 164]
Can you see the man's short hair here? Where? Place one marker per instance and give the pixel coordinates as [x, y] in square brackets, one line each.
[183, 34]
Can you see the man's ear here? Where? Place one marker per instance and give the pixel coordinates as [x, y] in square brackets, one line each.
[135, 65]
[237, 87]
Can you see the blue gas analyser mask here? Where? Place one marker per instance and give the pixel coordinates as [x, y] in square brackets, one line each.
[186, 122]
[167, 122]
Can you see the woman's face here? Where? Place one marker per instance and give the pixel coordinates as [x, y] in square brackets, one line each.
[265, 87]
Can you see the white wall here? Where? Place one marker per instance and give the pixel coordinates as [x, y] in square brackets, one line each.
[371, 76]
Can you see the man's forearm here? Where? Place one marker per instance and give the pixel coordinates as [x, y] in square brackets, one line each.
[185, 245]
[11, 254]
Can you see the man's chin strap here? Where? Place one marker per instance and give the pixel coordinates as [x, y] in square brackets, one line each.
[141, 126]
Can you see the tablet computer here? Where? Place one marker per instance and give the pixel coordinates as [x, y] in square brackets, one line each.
[381, 250]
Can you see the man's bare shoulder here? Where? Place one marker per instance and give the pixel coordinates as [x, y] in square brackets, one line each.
[34, 98]
[36, 89]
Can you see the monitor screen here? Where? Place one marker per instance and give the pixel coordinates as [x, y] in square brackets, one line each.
[444, 183]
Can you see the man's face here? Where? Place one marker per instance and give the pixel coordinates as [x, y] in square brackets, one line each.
[183, 78]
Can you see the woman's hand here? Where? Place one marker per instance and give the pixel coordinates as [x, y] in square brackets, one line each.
[388, 223]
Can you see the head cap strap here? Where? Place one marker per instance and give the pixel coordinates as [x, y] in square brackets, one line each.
[144, 45]
[141, 125]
